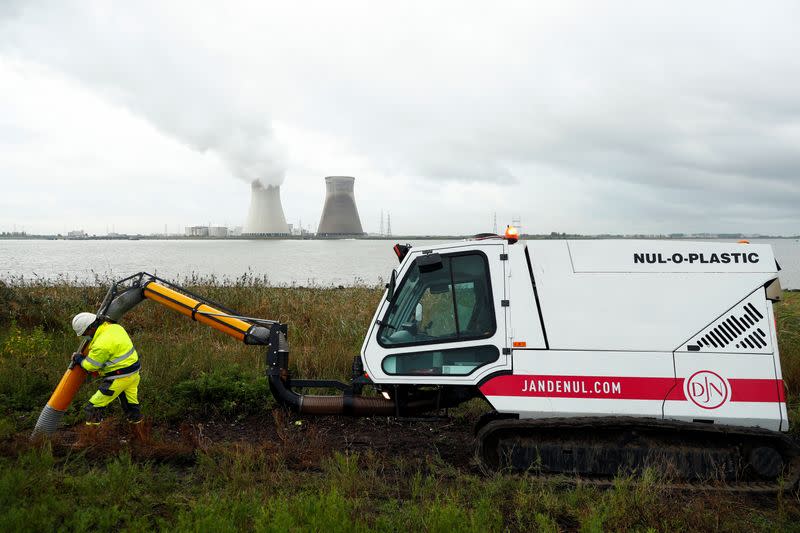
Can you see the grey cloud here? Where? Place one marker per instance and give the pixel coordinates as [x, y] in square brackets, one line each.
[138, 59]
[661, 115]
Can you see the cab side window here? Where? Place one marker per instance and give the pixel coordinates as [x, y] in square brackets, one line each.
[472, 296]
[452, 302]
[452, 362]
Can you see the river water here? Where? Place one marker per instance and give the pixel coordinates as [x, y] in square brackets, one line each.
[281, 262]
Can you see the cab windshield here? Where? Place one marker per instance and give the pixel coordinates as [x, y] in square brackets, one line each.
[450, 302]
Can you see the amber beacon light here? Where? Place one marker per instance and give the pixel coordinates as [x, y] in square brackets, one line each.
[512, 234]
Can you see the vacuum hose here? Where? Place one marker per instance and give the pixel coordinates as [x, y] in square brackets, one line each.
[329, 405]
[351, 405]
[114, 306]
[50, 417]
[344, 405]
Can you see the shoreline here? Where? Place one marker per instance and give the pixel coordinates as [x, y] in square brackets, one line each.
[523, 236]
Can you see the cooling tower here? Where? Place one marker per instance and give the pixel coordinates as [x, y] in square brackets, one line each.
[340, 214]
[266, 212]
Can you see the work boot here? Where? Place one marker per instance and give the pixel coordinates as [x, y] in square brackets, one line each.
[94, 414]
[132, 410]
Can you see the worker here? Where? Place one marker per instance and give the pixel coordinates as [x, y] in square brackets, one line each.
[111, 355]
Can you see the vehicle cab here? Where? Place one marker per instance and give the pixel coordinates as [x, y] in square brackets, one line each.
[443, 318]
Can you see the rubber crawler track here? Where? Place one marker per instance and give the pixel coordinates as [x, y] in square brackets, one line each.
[693, 436]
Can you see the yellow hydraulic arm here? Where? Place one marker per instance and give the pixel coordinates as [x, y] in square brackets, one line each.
[226, 322]
[121, 298]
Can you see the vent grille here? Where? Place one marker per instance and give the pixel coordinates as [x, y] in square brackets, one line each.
[744, 328]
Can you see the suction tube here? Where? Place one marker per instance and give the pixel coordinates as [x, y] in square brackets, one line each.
[329, 405]
[352, 405]
[123, 296]
[277, 372]
[347, 405]
[53, 412]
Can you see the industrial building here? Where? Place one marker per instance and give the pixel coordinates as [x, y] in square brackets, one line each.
[265, 216]
[206, 231]
[196, 231]
[340, 214]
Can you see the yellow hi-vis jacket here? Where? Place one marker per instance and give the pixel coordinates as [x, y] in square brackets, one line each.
[111, 352]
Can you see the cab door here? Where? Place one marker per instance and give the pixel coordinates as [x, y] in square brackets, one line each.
[446, 322]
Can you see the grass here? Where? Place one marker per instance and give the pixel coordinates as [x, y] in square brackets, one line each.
[261, 484]
[233, 490]
[36, 340]
[787, 318]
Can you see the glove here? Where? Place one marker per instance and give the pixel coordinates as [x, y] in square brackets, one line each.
[77, 358]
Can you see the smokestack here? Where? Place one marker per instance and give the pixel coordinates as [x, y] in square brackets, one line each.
[340, 214]
[266, 212]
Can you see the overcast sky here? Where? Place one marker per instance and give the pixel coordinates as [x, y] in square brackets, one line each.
[588, 117]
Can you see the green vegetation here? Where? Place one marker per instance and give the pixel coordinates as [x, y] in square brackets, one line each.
[787, 318]
[180, 356]
[266, 470]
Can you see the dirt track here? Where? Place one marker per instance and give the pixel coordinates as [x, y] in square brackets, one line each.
[300, 442]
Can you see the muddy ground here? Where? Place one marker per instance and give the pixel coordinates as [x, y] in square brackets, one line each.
[297, 442]
[438, 445]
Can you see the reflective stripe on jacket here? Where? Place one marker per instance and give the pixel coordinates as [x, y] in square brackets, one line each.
[111, 349]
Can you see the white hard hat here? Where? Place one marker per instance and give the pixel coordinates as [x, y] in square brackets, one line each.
[82, 321]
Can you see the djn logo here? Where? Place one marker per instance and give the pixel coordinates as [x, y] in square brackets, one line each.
[707, 389]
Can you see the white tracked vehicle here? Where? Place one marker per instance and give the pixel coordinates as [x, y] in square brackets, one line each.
[597, 356]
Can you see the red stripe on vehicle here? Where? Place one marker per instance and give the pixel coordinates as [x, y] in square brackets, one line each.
[628, 388]
[623, 388]
[757, 390]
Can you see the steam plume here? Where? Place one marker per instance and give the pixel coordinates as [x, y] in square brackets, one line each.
[181, 87]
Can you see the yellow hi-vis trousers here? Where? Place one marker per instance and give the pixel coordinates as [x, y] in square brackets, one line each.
[110, 390]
